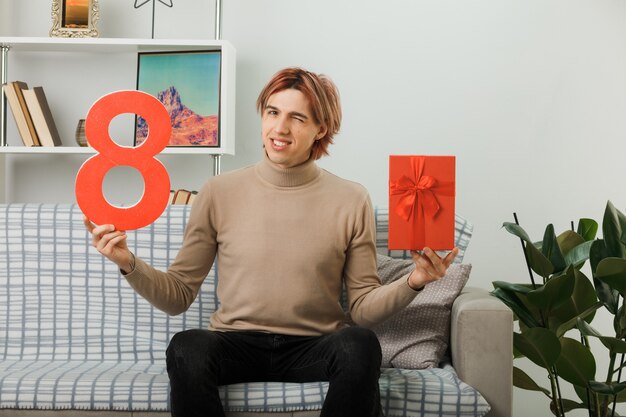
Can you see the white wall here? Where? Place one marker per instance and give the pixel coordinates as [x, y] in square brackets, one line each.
[529, 95]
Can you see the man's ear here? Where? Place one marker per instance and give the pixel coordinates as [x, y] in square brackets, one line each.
[322, 132]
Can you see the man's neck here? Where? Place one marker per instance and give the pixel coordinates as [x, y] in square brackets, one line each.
[287, 177]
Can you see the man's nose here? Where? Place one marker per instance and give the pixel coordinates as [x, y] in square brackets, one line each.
[282, 125]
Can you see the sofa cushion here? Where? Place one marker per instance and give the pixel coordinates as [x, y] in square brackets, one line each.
[143, 386]
[84, 385]
[404, 393]
[417, 337]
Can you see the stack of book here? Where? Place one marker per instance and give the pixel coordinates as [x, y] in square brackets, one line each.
[32, 114]
[182, 196]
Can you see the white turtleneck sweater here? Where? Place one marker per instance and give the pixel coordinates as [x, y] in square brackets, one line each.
[285, 239]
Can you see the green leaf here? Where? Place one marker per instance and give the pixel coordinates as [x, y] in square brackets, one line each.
[612, 232]
[613, 272]
[613, 388]
[568, 405]
[587, 228]
[551, 250]
[606, 294]
[613, 344]
[511, 300]
[621, 218]
[539, 345]
[597, 252]
[586, 329]
[510, 286]
[582, 394]
[585, 315]
[576, 363]
[523, 381]
[579, 254]
[516, 230]
[538, 261]
[568, 240]
[619, 322]
[582, 303]
[555, 292]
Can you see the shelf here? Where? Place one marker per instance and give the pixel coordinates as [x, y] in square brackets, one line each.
[107, 45]
[66, 150]
[31, 48]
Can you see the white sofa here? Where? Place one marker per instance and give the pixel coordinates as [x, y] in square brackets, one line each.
[76, 340]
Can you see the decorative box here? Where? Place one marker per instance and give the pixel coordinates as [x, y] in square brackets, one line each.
[421, 202]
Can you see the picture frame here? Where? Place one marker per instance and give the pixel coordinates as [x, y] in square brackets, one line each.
[74, 18]
[188, 84]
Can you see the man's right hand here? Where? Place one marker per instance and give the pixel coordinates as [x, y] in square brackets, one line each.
[111, 243]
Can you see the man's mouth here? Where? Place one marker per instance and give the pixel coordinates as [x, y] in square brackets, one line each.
[276, 143]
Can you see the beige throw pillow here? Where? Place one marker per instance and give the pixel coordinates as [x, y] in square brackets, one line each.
[417, 337]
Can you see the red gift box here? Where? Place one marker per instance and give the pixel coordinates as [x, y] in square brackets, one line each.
[421, 202]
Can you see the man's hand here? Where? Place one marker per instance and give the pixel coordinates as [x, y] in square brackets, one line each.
[111, 243]
[429, 267]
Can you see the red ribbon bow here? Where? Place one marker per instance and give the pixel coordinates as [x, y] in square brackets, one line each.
[416, 193]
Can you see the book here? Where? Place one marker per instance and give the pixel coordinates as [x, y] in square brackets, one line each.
[19, 87]
[42, 117]
[18, 114]
[81, 139]
[182, 196]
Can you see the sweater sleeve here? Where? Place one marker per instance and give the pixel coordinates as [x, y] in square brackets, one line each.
[370, 302]
[173, 291]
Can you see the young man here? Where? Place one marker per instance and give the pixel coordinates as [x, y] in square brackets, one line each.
[288, 235]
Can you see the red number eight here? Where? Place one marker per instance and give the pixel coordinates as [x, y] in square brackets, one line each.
[90, 177]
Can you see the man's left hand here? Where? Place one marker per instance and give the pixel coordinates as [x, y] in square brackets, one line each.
[429, 267]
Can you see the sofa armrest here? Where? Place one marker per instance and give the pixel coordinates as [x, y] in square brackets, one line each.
[481, 343]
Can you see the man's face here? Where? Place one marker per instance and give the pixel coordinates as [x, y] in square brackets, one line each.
[288, 128]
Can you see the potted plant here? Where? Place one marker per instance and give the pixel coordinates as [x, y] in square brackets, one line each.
[556, 310]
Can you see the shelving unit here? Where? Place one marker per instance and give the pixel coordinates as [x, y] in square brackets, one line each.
[109, 50]
[78, 150]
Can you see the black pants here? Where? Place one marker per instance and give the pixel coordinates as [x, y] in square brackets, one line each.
[200, 360]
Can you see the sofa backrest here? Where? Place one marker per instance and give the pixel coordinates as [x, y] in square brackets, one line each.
[61, 300]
